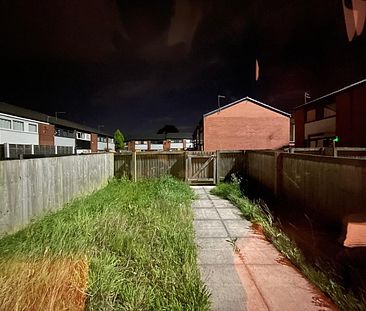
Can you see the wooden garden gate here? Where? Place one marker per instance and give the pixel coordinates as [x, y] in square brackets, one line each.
[201, 167]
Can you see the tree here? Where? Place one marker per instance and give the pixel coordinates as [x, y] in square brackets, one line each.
[118, 139]
[168, 129]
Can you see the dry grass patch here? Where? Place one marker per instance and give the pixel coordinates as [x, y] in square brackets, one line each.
[43, 284]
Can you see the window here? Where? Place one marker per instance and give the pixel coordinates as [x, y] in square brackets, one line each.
[310, 115]
[18, 126]
[32, 128]
[64, 133]
[4, 123]
[329, 111]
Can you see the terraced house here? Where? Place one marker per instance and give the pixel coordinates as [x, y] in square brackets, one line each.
[338, 114]
[26, 132]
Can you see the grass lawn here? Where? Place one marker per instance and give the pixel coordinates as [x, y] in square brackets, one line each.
[320, 276]
[128, 246]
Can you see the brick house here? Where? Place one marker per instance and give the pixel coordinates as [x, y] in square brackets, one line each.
[340, 113]
[246, 124]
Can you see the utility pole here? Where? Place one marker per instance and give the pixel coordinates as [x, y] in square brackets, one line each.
[218, 100]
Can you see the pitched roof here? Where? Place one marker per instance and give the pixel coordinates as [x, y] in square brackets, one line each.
[38, 116]
[251, 100]
[333, 93]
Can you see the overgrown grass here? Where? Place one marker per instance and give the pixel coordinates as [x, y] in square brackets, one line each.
[137, 240]
[320, 276]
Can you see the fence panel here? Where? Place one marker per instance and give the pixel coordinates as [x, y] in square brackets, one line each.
[156, 164]
[332, 187]
[229, 162]
[122, 165]
[261, 168]
[30, 188]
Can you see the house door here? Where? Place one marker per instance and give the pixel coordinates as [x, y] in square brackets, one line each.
[201, 167]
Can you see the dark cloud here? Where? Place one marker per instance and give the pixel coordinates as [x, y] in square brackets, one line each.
[134, 64]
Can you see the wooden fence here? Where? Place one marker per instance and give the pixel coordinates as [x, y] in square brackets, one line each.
[191, 166]
[334, 187]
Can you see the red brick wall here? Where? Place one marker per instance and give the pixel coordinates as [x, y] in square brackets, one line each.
[46, 134]
[245, 126]
[351, 111]
[94, 142]
[299, 116]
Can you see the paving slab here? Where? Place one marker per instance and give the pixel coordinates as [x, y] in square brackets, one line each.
[227, 291]
[253, 275]
[209, 228]
[206, 213]
[238, 228]
[213, 243]
[222, 203]
[202, 196]
[229, 213]
[202, 203]
[259, 251]
[213, 197]
[216, 257]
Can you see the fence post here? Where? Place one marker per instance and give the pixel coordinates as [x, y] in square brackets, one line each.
[188, 166]
[278, 173]
[133, 166]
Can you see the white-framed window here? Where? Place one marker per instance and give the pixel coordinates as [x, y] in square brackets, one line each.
[18, 125]
[32, 128]
[5, 124]
[82, 136]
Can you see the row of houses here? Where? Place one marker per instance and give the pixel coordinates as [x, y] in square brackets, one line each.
[160, 142]
[248, 124]
[28, 132]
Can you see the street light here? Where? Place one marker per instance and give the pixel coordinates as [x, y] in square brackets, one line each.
[218, 100]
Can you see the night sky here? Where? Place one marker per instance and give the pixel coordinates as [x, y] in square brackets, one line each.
[137, 65]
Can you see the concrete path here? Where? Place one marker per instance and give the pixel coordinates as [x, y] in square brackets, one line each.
[240, 268]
